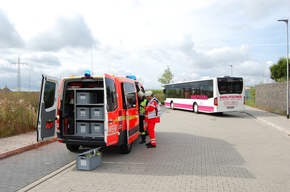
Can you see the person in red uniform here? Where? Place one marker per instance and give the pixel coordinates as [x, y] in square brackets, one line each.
[152, 116]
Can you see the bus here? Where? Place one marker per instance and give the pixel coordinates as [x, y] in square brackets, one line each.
[212, 95]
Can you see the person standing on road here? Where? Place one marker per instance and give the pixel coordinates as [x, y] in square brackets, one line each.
[152, 117]
[142, 105]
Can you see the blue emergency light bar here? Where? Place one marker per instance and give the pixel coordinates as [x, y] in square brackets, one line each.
[131, 77]
[87, 73]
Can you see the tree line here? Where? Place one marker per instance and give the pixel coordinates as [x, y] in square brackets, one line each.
[278, 72]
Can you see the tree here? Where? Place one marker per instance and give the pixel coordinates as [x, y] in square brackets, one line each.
[252, 93]
[279, 70]
[166, 77]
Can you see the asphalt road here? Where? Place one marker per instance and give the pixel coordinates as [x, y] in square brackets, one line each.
[22, 169]
[195, 152]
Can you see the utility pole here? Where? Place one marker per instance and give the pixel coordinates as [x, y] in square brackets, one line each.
[18, 73]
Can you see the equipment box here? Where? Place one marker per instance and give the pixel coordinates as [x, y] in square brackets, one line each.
[89, 160]
[83, 113]
[83, 128]
[97, 113]
[83, 98]
[97, 128]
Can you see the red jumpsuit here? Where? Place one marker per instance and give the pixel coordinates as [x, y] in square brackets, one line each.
[152, 117]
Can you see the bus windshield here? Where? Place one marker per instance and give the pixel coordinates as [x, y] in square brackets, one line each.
[230, 85]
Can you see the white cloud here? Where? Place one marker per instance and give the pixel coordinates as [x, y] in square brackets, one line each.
[195, 39]
[9, 37]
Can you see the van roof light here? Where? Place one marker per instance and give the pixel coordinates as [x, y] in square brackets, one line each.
[87, 73]
[131, 77]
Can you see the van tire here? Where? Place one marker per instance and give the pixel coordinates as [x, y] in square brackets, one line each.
[72, 148]
[125, 148]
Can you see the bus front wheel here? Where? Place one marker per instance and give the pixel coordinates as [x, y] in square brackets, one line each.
[172, 106]
[195, 108]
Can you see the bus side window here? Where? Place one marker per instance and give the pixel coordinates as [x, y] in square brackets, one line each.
[187, 94]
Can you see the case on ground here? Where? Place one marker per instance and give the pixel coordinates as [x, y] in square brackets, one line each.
[89, 160]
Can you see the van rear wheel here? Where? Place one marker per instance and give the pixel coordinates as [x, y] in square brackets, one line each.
[72, 148]
[125, 148]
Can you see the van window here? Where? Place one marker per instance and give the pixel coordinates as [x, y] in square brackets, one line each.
[49, 94]
[130, 92]
[111, 95]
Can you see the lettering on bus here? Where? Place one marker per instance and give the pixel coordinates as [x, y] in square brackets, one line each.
[231, 100]
[230, 103]
[203, 97]
[231, 97]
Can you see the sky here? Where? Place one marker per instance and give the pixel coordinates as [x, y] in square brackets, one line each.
[195, 39]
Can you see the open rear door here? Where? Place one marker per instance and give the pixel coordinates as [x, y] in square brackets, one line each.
[111, 113]
[46, 121]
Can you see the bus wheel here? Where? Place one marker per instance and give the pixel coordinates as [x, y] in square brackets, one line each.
[125, 148]
[72, 148]
[172, 105]
[195, 108]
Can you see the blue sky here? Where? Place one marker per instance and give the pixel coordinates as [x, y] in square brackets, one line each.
[196, 39]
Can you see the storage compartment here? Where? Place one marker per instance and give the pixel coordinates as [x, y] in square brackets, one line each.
[83, 128]
[89, 160]
[69, 126]
[97, 113]
[83, 113]
[97, 128]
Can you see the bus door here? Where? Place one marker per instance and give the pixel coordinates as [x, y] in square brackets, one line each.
[111, 125]
[46, 118]
[132, 116]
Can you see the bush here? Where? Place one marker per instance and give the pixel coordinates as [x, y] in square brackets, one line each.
[18, 113]
[159, 95]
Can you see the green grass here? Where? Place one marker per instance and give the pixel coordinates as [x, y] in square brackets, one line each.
[18, 112]
[250, 103]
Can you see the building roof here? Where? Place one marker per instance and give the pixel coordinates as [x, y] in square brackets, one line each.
[5, 89]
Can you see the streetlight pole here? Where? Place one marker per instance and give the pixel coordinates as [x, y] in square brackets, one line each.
[287, 53]
[231, 70]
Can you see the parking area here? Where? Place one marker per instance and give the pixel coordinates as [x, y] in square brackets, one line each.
[195, 152]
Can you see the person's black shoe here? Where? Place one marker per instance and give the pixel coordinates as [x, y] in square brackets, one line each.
[151, 146]
[148, 143]
[143, 141]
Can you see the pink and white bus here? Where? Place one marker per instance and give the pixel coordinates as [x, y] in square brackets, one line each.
[213, 95]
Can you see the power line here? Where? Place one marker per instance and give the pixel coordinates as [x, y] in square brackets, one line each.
[18, 73]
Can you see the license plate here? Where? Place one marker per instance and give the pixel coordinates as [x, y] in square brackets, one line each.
[230, 107]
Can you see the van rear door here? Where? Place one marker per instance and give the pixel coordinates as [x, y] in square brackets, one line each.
[111, 123]
[46, 121]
